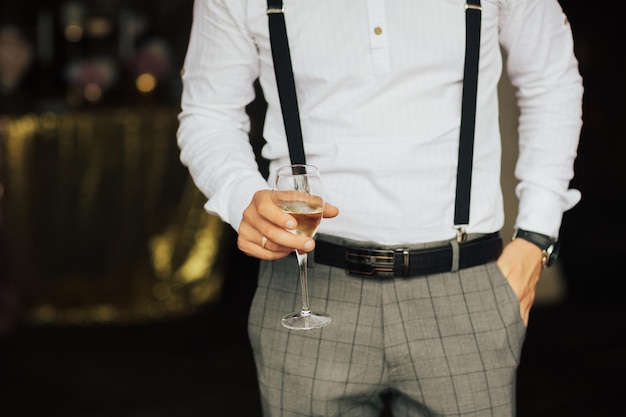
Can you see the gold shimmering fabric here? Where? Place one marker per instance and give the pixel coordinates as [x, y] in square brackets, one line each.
[101, 222]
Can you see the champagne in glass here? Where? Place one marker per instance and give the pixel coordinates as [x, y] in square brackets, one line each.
[298, 191]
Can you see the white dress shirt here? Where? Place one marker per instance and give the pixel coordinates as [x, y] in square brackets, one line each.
[379, 89]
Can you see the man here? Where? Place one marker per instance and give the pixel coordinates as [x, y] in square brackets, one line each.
[379, 88]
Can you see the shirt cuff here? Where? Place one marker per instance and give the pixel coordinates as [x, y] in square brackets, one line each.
[541, 211]
[230, 201]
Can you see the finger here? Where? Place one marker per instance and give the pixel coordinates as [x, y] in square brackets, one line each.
[270, 212]
[330, 211]
[269, 245]
[251, 240]
[525, 316]
[278, 234]
[254, 249]
[280, 239]
[526, 302]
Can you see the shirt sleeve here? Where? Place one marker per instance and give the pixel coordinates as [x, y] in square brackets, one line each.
[537, 40]
[220, 67]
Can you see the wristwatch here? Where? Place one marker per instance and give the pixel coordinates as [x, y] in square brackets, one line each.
[548, 245]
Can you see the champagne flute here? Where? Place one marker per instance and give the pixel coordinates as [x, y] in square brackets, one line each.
[298, 191]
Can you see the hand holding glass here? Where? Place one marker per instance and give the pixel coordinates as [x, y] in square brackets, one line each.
[298, 190]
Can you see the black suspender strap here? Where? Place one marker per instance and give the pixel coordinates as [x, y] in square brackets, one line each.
[284, 80]
[468, 118]
[291, 115]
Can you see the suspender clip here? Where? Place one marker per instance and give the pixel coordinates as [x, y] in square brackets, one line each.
[461, 233]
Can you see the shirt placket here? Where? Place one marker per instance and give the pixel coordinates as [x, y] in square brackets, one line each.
[377, 27]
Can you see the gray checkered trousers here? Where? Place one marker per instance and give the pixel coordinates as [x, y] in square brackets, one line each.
[446, 344]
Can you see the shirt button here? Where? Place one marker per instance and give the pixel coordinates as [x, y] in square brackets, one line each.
[378, 30]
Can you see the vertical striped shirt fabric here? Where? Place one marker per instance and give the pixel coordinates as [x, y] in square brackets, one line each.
[379, 90]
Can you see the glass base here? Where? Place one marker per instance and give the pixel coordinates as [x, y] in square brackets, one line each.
[305, 321]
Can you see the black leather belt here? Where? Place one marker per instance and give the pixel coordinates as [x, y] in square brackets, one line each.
[403, 262]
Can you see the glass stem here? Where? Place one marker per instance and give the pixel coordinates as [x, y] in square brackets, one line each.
[302, 264]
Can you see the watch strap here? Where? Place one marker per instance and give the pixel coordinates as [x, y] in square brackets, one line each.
[547, 244]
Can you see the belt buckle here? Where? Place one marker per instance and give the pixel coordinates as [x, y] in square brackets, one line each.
[378, 262]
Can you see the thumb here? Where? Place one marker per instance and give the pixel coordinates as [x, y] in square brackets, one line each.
[330, 211]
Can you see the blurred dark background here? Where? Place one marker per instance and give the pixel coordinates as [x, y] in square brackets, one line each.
[120, 296]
